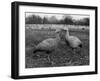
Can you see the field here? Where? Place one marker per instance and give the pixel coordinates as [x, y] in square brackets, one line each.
[63, 56]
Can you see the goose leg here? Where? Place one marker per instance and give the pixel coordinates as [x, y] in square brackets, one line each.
[81, 54]
[74, 51]
[50, 60]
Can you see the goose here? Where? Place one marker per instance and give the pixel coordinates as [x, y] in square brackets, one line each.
[48, 45]
[72, 41]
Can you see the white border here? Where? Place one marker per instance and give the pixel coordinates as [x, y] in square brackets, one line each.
[53, 70]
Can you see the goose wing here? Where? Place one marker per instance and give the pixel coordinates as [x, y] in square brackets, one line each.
[48, 44]
[74, 41]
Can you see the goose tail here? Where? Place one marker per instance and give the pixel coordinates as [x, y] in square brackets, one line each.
[35, 49]
[81, 45]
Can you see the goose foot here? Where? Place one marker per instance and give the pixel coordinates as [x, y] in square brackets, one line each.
[36, 56]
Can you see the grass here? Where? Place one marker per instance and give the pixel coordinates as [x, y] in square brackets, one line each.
[63, 56]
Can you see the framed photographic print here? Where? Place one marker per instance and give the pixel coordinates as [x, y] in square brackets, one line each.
[50, 40]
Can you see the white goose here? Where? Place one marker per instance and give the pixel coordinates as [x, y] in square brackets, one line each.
[72, 41]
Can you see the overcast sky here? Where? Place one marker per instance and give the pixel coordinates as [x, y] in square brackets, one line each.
[58, 16]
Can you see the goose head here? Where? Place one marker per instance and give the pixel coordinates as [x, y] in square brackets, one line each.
[61, 32]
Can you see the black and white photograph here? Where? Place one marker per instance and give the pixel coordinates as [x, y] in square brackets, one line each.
[50, 40]
[56, 40]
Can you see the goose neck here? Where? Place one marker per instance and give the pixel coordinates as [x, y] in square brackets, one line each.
[57, 37]
[67, 34]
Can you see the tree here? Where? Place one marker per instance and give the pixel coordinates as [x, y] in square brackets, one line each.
[34, 20]
[86, 21]
[68, 20]
[45, 20]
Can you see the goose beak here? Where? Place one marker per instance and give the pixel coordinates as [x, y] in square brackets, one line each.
[57, 31]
